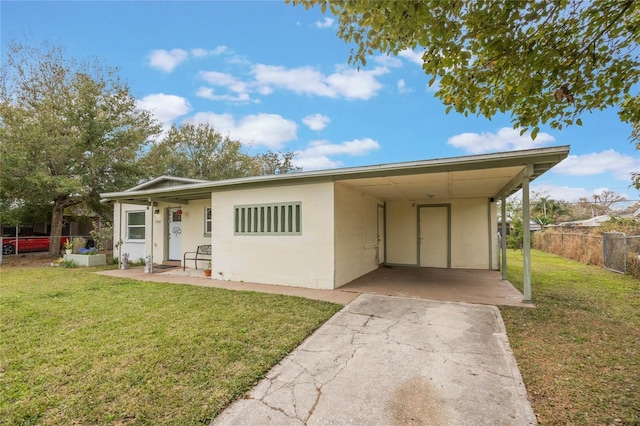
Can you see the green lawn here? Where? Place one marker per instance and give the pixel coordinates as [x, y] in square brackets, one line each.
[579, 349]
[80, 348]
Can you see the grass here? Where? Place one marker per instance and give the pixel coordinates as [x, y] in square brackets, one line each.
[579, 349]
[80, 348]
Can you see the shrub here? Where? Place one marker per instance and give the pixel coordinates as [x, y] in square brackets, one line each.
[69, 264]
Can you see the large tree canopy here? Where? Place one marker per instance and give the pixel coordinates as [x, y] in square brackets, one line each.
[68, 131]
[199, 151]
[545, 62]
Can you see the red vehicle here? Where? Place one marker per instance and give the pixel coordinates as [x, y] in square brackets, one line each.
[28, 243]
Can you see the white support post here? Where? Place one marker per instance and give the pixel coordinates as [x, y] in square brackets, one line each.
[526, 239]
[503, 239]
[120, 241]
[150, 255]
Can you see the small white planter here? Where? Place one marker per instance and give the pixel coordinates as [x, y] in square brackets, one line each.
[87, 260]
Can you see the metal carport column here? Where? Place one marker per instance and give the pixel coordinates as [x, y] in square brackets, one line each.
[526, 235]
[503, 235]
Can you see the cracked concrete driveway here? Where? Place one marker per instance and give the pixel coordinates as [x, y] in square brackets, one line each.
[394, 361]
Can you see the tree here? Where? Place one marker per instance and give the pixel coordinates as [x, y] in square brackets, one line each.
[542, 61]
[68, 131]
[599, 204]
[546, 211]
[272, 163]
[199, 151]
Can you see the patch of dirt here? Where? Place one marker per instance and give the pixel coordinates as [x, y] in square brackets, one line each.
[418, 402]
[33, 260]
[27, 260]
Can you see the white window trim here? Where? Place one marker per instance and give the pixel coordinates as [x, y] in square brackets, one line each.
[280, 219]
[208, 221]
[143, 226]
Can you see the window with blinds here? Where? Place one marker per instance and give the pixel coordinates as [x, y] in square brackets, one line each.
[268, 219]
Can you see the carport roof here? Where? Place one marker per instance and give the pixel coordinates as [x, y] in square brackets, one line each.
[488, 175]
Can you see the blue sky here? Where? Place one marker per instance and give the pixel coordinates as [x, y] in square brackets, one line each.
[276, 77]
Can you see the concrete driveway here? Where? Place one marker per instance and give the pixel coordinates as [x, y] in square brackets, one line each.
[394, 361]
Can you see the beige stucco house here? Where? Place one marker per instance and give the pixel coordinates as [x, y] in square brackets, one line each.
[323, 229]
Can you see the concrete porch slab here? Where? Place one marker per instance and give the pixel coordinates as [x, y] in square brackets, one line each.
[453, 285]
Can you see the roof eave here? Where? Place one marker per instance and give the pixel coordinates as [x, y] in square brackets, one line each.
[540, 159]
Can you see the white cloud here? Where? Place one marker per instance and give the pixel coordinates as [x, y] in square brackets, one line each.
[316, 121]
[559, 192]
[507, 139]
[347, 83]
[354, 84]
[304, 80]
[620, 165]
[167, 60]
[225, 80]
[202, 53]
[209, 93]
[165, 107]
[270, 130]
[567, 193]
[325, 23]
[315, 163]
[355, 147]
[316, 155]
[402, 86]
[387, 61]
[199, 53]
[412, 56]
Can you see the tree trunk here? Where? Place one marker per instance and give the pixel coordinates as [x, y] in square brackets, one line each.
[56, 229]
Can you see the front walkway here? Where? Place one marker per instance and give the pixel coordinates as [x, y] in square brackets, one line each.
[394, 361]
[454, 285]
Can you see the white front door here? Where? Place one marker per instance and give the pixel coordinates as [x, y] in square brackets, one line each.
[175, 234]
[434, 236]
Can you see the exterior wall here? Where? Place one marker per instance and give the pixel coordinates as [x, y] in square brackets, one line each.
[470, 233]
[470, 228]
[157, 232]
[495, 241]
[158, 228]
[193, 228]
[356, 234]
[135, 248]
[305, 260]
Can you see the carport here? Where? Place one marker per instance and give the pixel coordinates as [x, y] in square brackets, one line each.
[439, 231]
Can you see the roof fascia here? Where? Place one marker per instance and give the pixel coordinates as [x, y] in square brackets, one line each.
[542, 156]
[165, 178]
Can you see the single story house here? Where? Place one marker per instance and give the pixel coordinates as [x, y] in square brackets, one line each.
[323, 229]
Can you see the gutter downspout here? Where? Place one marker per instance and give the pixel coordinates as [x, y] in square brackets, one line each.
[526, 235]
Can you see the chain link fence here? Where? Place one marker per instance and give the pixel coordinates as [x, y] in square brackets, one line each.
[615, 251]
